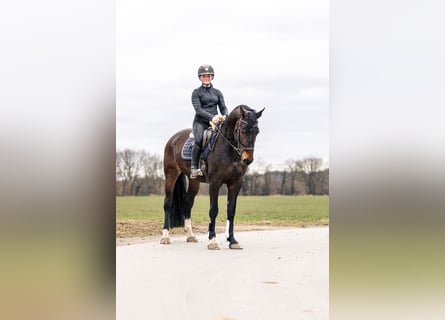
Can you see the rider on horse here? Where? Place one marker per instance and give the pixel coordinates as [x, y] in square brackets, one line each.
[205, 100]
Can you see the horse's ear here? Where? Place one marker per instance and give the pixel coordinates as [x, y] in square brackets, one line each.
[259, 113]
[242, 111]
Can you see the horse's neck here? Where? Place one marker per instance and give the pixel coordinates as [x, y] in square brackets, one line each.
[228, 129]
[228, 141]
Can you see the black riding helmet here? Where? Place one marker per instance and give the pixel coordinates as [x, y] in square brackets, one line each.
[206, 69]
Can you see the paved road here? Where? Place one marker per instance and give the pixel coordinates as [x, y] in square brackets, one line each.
[280, 274]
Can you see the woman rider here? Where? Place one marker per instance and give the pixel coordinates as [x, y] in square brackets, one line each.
[205, 100]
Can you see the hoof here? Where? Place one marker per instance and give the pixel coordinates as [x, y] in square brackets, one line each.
[192, 239]
[235, 246]
[213, 245]
[165, 241]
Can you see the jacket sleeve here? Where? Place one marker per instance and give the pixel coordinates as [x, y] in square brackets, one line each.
[198, 107]
[222, 104]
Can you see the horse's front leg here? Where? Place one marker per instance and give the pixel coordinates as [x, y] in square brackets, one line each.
[233, 191]
[213, 213]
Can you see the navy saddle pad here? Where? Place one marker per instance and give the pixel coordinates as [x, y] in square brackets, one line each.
[209, 141]
[187, 149]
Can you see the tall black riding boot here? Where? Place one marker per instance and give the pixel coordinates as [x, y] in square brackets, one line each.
[194, 171]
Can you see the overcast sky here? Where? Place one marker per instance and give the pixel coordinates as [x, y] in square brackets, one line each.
[265, 54]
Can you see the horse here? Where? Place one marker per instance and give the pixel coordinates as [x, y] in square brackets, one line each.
[227, 163]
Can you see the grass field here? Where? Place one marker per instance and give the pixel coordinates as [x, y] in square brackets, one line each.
[144, 216]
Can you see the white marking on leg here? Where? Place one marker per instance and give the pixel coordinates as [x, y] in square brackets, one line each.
[188, 227]
[165, 239]
[226, 232]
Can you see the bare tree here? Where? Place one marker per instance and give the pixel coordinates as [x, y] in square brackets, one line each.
[283, 181]
[292, 174]
[325, 182]
[153, 173]
[310, 169]
[267, 186]
[128, 166]
[119, 174]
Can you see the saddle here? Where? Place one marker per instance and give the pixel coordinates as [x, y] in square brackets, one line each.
[208, 143]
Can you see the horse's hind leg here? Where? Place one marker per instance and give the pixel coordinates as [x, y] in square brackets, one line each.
[190, 199]
[170, 180]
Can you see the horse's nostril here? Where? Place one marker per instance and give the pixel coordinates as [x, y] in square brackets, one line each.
[247, 161]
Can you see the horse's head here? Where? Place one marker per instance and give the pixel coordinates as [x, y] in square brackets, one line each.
[246, 130]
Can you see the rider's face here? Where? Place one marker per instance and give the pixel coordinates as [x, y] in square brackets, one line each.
[206, 78]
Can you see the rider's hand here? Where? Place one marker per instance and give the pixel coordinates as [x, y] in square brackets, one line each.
[215, 120]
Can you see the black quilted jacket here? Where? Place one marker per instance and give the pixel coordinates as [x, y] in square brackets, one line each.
[205, 100]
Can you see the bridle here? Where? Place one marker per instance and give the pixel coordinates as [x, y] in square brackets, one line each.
[239, 147]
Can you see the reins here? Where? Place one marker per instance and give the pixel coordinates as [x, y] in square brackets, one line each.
[240, 148]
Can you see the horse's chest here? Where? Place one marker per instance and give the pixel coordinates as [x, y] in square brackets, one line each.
[236, 170]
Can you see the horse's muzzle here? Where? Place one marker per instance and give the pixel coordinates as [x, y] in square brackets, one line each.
[247, 157]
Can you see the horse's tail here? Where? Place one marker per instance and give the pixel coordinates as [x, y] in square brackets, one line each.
[177, 212]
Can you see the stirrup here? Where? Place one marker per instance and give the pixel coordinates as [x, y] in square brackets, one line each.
[194, 173]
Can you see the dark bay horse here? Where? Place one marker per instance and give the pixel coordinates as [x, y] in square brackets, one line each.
[226, 164]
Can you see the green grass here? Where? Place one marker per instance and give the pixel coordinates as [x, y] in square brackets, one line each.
[132, 212]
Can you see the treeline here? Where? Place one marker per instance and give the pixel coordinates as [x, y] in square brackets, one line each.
[140, 173]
